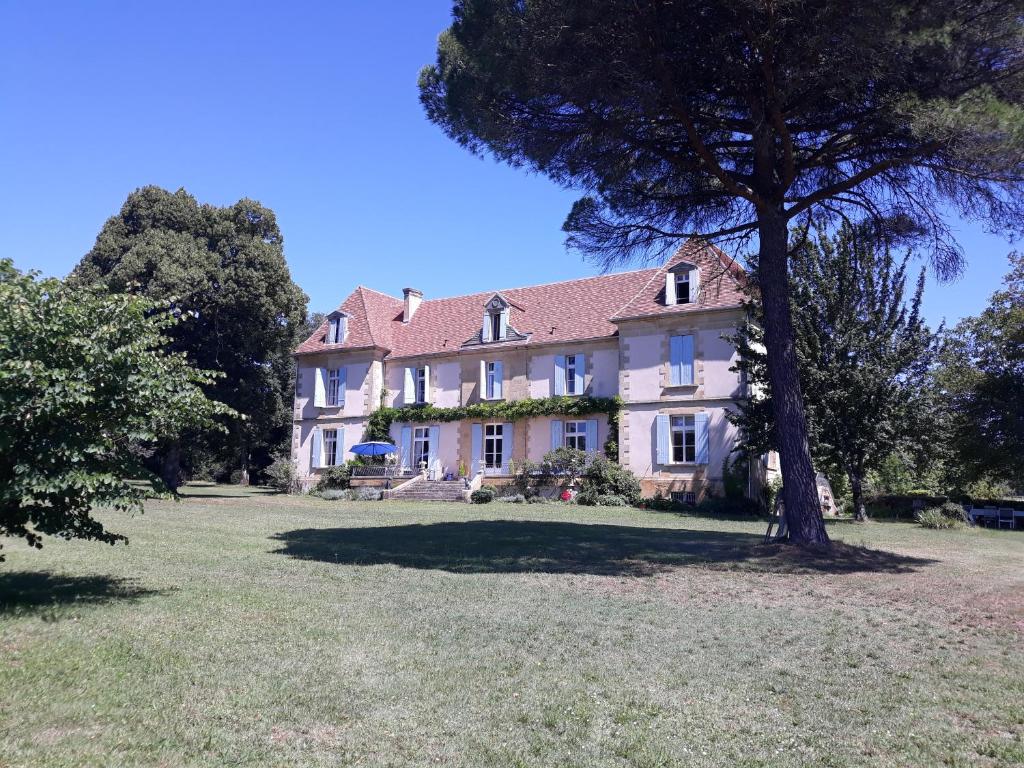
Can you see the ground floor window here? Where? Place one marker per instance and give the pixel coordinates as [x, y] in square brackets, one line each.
[684, 497]
[576, 435]
[330, 458]
[420, 446]
[494, 438]
[684, 439]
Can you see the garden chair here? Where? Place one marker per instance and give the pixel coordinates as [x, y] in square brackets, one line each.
[1005, 518]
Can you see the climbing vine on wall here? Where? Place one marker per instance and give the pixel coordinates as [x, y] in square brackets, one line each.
[378, 426]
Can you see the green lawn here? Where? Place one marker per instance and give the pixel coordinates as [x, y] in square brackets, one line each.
[251, 629]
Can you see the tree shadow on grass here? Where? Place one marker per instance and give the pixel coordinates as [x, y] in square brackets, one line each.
[522, 546]
[40, 591]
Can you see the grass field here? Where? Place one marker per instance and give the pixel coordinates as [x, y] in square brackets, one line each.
[250, 629]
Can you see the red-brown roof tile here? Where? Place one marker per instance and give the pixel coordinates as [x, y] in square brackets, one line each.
[574, 310]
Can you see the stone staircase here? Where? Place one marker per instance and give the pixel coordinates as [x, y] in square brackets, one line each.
[431, 490]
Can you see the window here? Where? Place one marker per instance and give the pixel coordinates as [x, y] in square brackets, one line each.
[495, 320]
[493, 388]
[683, 287]
[330, 458]
[493, 445]
[571, 362]
[421, 385]
[684, 497]
[334, 387]
[684, 439]
[576, 435]
[420, 447]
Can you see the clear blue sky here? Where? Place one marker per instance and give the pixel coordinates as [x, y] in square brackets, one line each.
[310, 108]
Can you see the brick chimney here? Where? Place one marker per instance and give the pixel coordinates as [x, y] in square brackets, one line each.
[413, 298]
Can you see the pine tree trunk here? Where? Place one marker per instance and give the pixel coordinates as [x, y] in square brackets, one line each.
[170, 466]
[860, 511]
[799, 490]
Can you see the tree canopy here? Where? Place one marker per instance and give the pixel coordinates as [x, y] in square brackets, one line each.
[224, 267]
[982, 375]
[865, 356]
[86, 385]
[721, 118]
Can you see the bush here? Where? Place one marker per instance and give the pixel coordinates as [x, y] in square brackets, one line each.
[660, 503]
[333, 494]
[483, 495]
[516, 498]
[610, 500]
[933, 517]
[335, 477]
[492, 488]
[365, 493]
[566, 462]
[712, 505]
[953, 511]
[281, 475]
[606, 478]
[235, 478]
[537, 500]
[587, 497]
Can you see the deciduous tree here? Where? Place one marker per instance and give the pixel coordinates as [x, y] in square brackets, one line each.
[722, 118]
[864, 355]
[85, 382]
[226, 268]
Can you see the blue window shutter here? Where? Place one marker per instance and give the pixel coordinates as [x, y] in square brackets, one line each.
[592, 435]
[485, 334]
[478, 449]
[342, 376]
[700, 423]
[557, 434]
[559, 374]
[694, 284]
[499, 379]
[686, 369]
[670, 289]
[434, 435]
[675, 360]
[581, 369]
[506, 445]
[503, 324]
[314, 449]
[339, 452]
[407, 447]
[664, 435]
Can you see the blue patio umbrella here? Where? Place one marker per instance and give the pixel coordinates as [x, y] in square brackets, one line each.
[373, 449]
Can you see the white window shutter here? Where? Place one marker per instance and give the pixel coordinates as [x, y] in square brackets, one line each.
[503, 324]
[670, 289]
[342, 376]
[409, 386]
[499, 380]
[315, 449]
[320, 388]
[694, 284]
[700, 423]
[557, 434]
[483, 379]
[663, 438]
[485, 334]
[559, 374]
[426, 384]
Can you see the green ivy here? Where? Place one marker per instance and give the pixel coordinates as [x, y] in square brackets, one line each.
[378, 426]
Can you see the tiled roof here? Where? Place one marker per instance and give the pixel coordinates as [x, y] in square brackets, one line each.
[573, 310]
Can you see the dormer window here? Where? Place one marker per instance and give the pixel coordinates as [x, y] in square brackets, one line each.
[495, 325]
[337, 328]
[681, 285]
